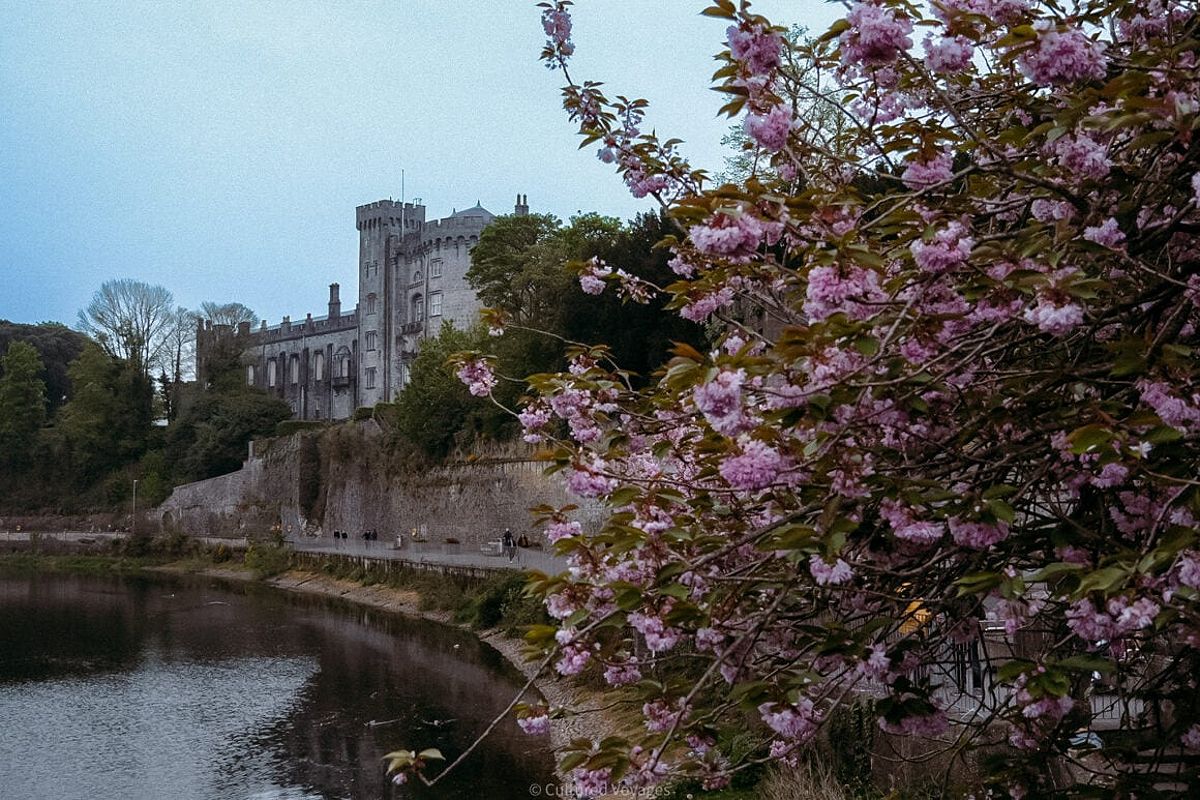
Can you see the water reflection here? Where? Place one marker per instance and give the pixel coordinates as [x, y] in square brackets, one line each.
[171, 689]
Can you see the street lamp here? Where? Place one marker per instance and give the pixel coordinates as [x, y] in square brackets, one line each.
[133, 519]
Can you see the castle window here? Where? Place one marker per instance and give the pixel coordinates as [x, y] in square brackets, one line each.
[418, 309]
[341, 363]
[417, 276]
[294, 369]
[271, 377]
[319, 366]
[371, 299]
[435, 304]
[250, 374]
[403, 374]
[371, 340]
[370, 377]
[435, 268]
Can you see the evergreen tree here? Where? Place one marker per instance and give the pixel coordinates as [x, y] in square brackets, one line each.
[22, 403]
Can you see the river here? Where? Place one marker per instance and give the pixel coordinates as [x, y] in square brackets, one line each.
[171, 689]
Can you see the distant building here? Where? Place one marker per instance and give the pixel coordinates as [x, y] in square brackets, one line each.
[411, 279]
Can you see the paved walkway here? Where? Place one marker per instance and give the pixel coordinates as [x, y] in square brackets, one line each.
[416, 553]
[412, 552]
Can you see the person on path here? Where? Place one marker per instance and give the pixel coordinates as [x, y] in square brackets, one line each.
[510, 546]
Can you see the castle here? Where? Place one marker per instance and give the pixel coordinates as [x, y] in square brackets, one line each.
[411, 279]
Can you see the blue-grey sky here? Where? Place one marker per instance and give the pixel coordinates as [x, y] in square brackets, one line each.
[220, 148]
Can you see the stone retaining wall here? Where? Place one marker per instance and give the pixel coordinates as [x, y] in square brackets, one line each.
[344, 478]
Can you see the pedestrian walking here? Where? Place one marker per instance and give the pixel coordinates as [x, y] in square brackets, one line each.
[509, 544]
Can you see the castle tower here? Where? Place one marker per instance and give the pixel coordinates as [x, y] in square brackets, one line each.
[522, 207]
[383, 227]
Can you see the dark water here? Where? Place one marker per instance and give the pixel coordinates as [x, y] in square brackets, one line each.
[159, 689]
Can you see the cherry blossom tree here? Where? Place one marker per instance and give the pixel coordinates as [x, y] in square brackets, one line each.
[952, 406]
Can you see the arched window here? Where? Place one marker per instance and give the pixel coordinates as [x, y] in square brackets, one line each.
[250, 374]
[371, 303]
[271, 376]
[294, 369]
[341, 363]
[418, 308]
[318, 366]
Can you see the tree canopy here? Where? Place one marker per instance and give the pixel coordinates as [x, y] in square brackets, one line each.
[947, 467]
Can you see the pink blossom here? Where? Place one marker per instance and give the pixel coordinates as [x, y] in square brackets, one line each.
[770, 130]
[558, 531]
[661, 716]
[797, 721]
[906, 527]
[1111, 475]
[1088, 623]
[1173, 411]
[1189, 569]
[659, 637]
[559, 606]
[876, 36]
[1053, 318]
[574, 659]
[877, 663]
[1132, 616]
[535, 726]
[705, 306]
[924, 174]
[1082, 155]
[1107, 234]
[1063, 57]
[720, 400]
[758, 466]
[827, 574]
[591, 782]
[623, 674]
[735, 236]
[1191, 738]
[533, 418]
[1051, 210]
[556, 21]
[948, 54]
[847, 290]
[588, 480]
[478, 377]
[948, 248]
[977, 535]
[757, 47]
[591, 278]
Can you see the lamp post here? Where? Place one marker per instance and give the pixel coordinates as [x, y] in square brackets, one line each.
[133, 519]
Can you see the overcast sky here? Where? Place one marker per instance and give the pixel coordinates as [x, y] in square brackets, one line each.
[220, 148]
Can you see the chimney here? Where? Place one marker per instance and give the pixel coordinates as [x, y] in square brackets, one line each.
[522, 207]
[335, 302]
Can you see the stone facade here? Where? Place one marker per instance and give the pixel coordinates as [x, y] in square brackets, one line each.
[411, 279]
